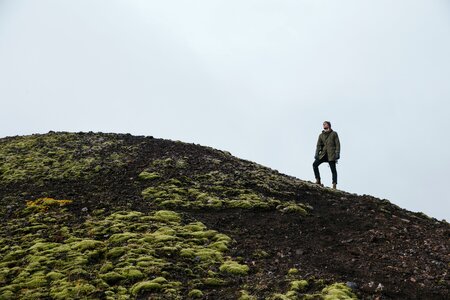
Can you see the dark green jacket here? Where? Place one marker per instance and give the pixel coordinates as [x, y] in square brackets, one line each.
[328, 143]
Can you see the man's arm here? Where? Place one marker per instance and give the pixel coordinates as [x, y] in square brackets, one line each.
[319, 147]
[338, 146]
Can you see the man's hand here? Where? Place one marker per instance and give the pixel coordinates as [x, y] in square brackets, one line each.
[337, 156]
[316, 157]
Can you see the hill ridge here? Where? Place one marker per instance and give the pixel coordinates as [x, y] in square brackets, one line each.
[297, 239]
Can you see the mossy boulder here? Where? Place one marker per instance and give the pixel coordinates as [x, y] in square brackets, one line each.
[195, 294]
[112, 277]
[299, 285]
[338, 291]
[148, 175]
[145, 286]
[234, 268]
[167, 216]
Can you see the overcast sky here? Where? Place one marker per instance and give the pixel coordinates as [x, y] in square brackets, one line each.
[256, 78]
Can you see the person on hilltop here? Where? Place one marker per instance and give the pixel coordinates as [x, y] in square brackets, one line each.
[328, 150]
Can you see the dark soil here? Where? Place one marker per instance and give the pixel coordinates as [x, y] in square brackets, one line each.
[384, 251]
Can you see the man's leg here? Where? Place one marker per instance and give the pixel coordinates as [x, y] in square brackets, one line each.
[333, 171]
[316, 165]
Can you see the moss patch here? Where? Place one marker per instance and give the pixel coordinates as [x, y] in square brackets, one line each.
[314, 289]
[338, 291]
[299, 285]
[145, 286]
[232, 267]
[246, 296]
[215, 189]
[148, 175]
[199, 193]
[195, 294]
[60, 156]
[123, 254]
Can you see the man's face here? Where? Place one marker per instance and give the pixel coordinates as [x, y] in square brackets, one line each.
[325, 126]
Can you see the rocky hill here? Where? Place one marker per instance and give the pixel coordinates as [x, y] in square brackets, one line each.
[109, 216]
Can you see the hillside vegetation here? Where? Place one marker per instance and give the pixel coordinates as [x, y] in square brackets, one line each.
[113, 216]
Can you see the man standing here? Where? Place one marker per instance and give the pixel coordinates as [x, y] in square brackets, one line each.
[328, 150]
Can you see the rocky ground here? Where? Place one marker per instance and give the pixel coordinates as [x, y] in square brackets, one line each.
[107, 216]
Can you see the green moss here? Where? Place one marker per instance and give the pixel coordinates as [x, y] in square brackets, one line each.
[126, 215]
[166, 230]
[152, 192]
[57, 156]
[241, 204]
[119, 238]
[175, 182]
[292, 295]
[260, 254]
[220, 237]
[167, 251]
[148, 175]
[145, 286]
[45, 204]
[232, 267]
[50, 220]
[159, 237]
[195, 293]
[338, 291]
[214, 202]
[181, 163]
[221, 246]
[206, 234]
[167, 216]
[53, 275]
[152, 267]
[205, 199]
[106, 267]
[205, 192]
[109, 294]
[162, 163]
[37, 293]
[35, 281]
[279, 297]
[208, 255]
[116, 252]
[292, 208]
[78, 272]
[196, 226]
[299, 285]
[6, 295]
[160, 280]
[14, 255]
[128, 247]
[211, 281]
[293, 271]
[246, 296]
[71, 290]
[4, 272]
[86, 245]
[187, 253]
[112, 277]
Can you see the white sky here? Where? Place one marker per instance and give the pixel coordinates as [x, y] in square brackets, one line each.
[256, 78]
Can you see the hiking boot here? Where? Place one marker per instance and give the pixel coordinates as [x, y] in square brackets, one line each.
[318, 182]
[334, 186]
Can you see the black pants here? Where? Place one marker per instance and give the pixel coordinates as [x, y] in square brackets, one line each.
[332, 164]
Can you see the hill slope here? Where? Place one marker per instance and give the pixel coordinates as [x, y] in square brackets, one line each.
[108, 216]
